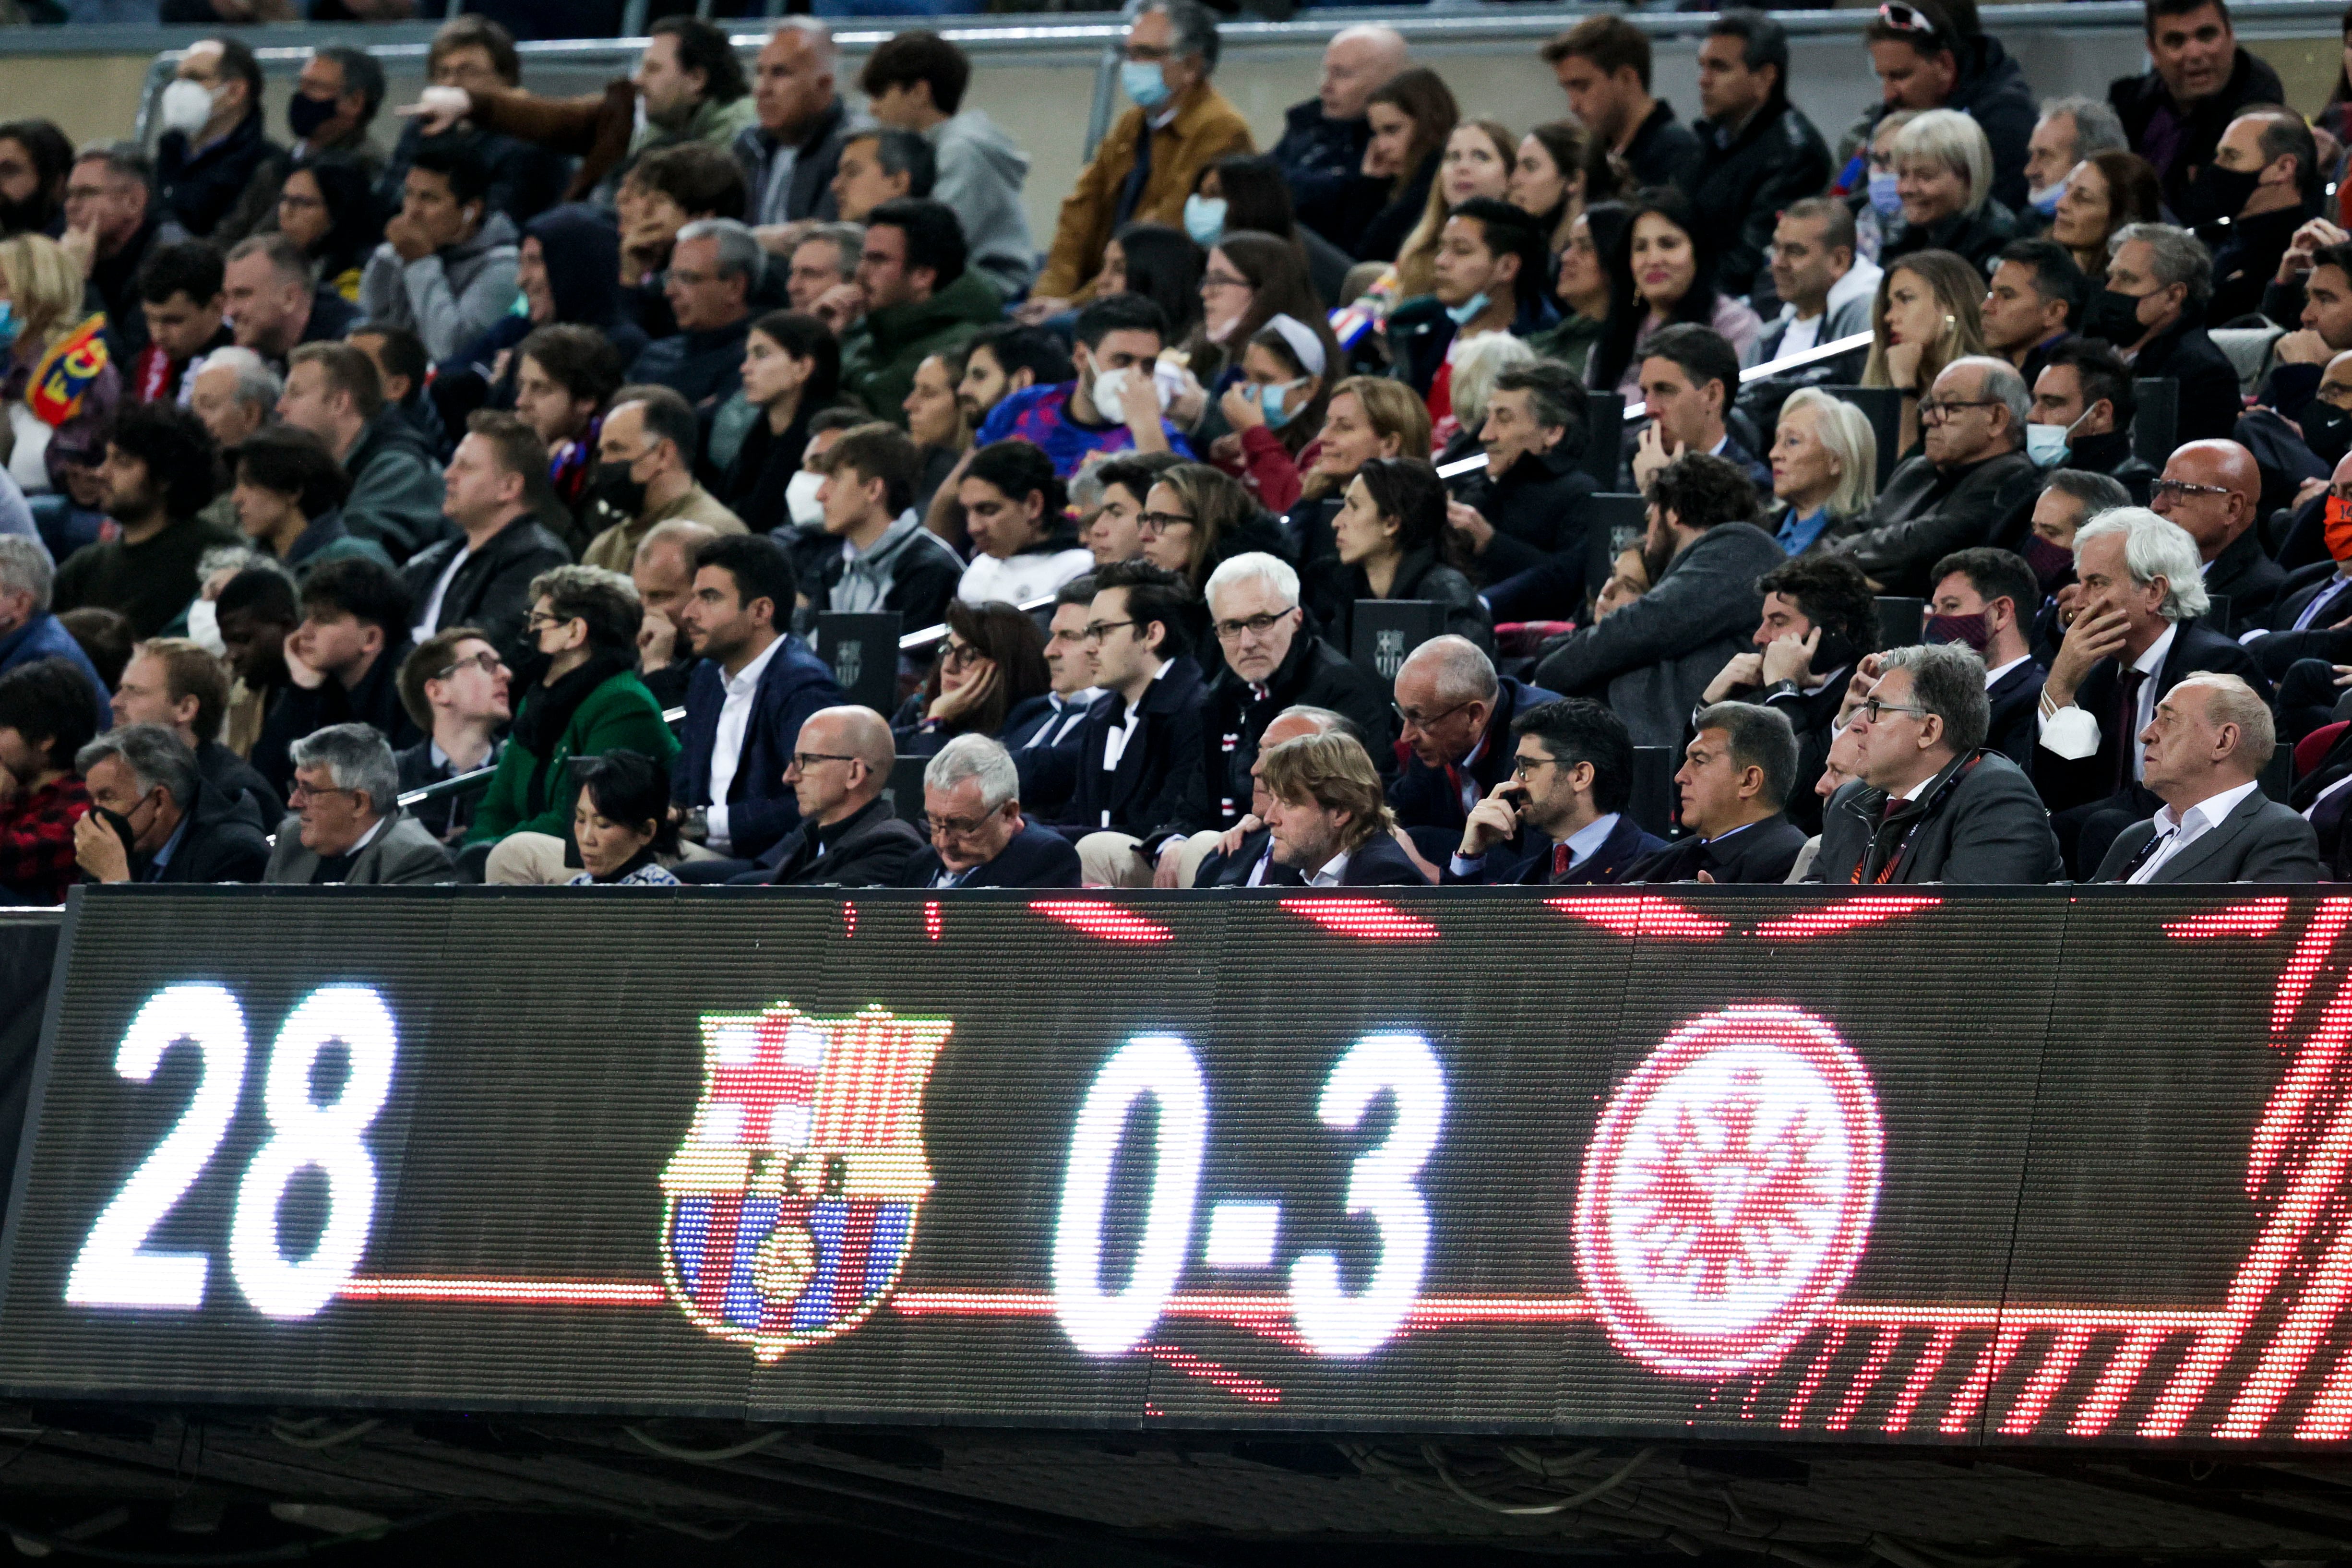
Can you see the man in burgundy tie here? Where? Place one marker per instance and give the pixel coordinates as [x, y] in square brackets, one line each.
[1559, 816]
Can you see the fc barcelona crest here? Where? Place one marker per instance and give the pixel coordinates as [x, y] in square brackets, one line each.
[791, 1205]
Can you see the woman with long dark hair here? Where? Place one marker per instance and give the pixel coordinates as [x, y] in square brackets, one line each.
[1411, 115]
[1661, 273]
[327, 207]
[1278, 407]
[791, 368]
[1582, 286]
[1392, 545]
[1561, 170]
[990, 672]
[2103, 193]
[621, 821]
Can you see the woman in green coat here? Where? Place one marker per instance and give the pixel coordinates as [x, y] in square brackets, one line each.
[587, 700]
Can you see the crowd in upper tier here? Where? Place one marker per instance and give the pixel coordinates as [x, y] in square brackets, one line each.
[529, 437]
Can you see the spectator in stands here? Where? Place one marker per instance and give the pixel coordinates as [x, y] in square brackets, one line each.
[621, 822]
[972, 800]
[1115, 532]
[180, 295]
[920, 300]
[212, 139]
[474, 52]
[790, 152]
[989, 677]
[662, 570]
[1523, 512]
[1327, 818]
[2107, 190]
[154, 819]
[1152, 157]
[1004, 359]
[2197, 80]
[1653, 658]
[936, 422]
[823, 263]
[35, 160]
[2248, 203]
[1277, 408]
[456, 688]
[1984, 599]
[55, 389]
[344, 662]
[1818, 620]
[1687, 377]
[1118, 340]
[792, 369]
[1758, 151]
[1603, 66]
[157, 474]
[1944, 167]
[1554, 179]
[334, 392]
[645, 473]
[1453, 715]
[1391, 541]
[1738, 773]
[290, 495]
[1492, 270]
[2036, 293]
[234, 395]
[712, 273]
[1583, 287]
[1477, 163]
[2204, 751]
[1557, 817]
[887, 561]
[1936, 56]
[274, 302]
[334, 102]
[401, 368]
[1823, 283]
[568, 271]
[1069, 668]
[1139, 750]
[914, 82]
[2159, 280]
[2213, 489]
[1195, 517]
[327, 208]
[847, 835]
[563, 375]
[585, 701]
[2072, 498]
[2070, 130]
[881, 164]
[1324, 139]
[1970, 476]
[445, 269]
[665, 191]
[348, 826]
[481, 580]
[1929, 312]
[1824, 465]
[2083, 407]
[46, 719]
[113, 220]
[1022, 548]
[1243, 855]
[29, 632]
[1930, 805]
[1664, 275]
[1412, 118]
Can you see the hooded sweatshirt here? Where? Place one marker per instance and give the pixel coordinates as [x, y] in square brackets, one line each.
[981, 173]
[582, 253]
[449, 298]
[879, 358]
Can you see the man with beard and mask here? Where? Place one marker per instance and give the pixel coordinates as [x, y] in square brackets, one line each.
[2213, 489]
[1986, 599]
[2159, 280]
[335, 392]
[445, 269]
[35, 159]
[1113, 405]
[2197, 80]
[483, 579]
[1820, 618]
[212, 139]
[645, 474]
[2247, 203]
[158, 473]
[334, 102]
[2083, 408]
[2070, 130]
[154, 819]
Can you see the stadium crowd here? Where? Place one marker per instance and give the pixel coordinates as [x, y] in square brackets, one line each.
[499, 453]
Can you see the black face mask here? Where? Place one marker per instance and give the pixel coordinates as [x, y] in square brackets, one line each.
[2114, 318]
[617, 491]
[2327, 431]
[305, 114]
[2217, 195]
[530, 669]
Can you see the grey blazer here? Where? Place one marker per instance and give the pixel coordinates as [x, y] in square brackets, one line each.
[2260, 841]
[403, 852]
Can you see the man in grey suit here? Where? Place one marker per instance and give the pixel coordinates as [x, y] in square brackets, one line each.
[2206, 746]
[347, 825]
[1932, 805]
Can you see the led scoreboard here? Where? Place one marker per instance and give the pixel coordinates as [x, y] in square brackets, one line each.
[1942, 1166]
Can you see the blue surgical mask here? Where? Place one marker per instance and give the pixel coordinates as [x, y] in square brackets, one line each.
[9, 325]
[2045, 202]
[1469, 310]
[1143, 83]
[1882, 197]
[1270, 398]
[1204, 219]
[2046, 444]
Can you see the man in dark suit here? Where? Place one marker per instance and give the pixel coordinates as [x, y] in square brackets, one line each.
[1243, 855]
[1138, 754]
[2134, 637]
[2204, 751]
[972, 798]
[1330, 819]
[154, 818]
[1931, 805]
[482, 579]
[2159, 281]
[1456, 717]
[1737, 776]
[2214, 490]
[1985, 599]
[1558, 819]
[847, 836]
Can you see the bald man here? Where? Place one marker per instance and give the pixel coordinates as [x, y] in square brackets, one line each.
[847, 836]
[1323, 139]
[2214, 490]
[1456, 715]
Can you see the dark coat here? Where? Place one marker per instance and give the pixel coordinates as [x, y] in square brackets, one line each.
[1319, 157]
[1778, 159]
[1157, 771]
[491, 592]
[2063, 783]
[1762, 852]
[396, 489]
[2249, 578]
[1234, 871]
[1975, 236]
[1812, 715]
[868, 849]
[1424, 796]
[1420, 334]
[706, 368]
[2209, 401]
[1991, 90]
[301, 712]
[1236, 714]
[1977, 821]
[2016, 700]
[1393, 213]
[525, 180]
[1379, 862]
[446, 817]
[233, 776]
[2111, 454]
[2259, 841]
[1925, 512]
[1536, 506]
[1332, 596]
[1033, 857]
[2180, 144]
[2245, 255]
[761, 808]
[1527, 861]
[116, 277]
[227, 842]
[200, 188]
[1664, 152]
[809, 193]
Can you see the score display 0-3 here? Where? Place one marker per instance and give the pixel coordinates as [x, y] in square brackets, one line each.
[1594, 1165]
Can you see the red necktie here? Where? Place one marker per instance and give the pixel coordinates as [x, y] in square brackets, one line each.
[1558, 861]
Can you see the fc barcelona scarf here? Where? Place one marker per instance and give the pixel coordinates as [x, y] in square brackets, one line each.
[65, 372]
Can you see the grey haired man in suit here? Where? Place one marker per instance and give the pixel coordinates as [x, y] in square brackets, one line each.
[346, 825]
[2203, 752]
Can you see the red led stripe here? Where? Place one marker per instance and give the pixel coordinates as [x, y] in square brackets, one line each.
[2309, 1075]
[1923, 1373]
[1233, 1382]
[1832, 1342]
[2259, 917]
[1643, 916]
[2057, 1363]
[1109, 922]
[2330, 1415]
[2290, 1347]
[1367, 918]
[521, 1292]
[2122, 1375]
[1857, 911]
[1997, 1354]
[1882, 1341]
[2310, 954]
[931, 919]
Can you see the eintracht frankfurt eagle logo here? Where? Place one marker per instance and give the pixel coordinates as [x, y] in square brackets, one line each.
[1729, 1192]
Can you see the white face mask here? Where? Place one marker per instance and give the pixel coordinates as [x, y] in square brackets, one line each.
[1110, 391]
[186, 105]
[204, 627]
[800, 498]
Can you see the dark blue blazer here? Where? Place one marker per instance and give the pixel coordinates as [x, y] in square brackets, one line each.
[760, 805]
[1626, 847]
[45, 637]
[1033, 857]
[1378, 862]
[1156, 769]
[1424, 796]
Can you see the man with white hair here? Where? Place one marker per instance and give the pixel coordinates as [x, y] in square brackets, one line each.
[28, 630]
[2135, 638]
[1321, 153]
[347, 825]
[2201, 755]
[972, 798]
[233, 393]
[1971, 475]
[713, 270]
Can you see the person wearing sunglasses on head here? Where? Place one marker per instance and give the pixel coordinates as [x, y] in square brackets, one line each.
[1935, 53]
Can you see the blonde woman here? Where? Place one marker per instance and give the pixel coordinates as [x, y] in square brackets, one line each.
[1479, 158]
[1825, 468]
[60, 389]
[1369, 417]
[1929, 312]
[1943, 175]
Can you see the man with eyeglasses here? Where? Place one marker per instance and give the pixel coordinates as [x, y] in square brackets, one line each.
[1559, 819]
[972, 799]
[458, 689]
[1930, 805]
[112, 223]
[2214, 490]
[1456, 713]
[645, 474]
[847, 838]
[347, 826]
[1970, 477]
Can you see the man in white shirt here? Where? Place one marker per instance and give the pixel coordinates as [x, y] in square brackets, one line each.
[483, 580]
[1826, 286]
[2202, 753]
